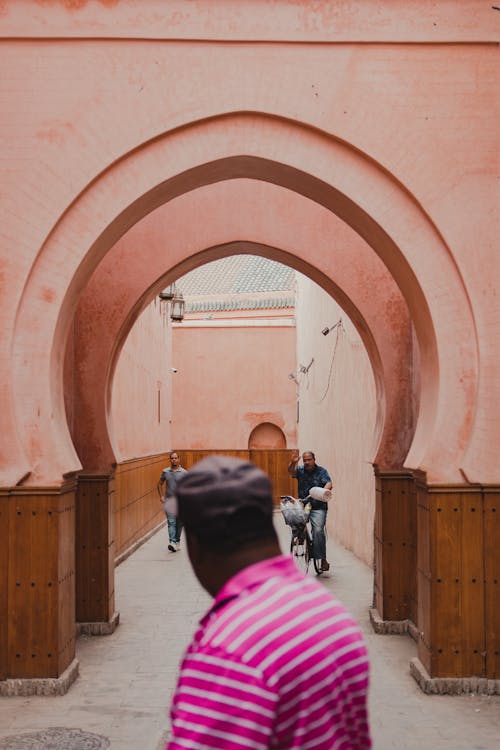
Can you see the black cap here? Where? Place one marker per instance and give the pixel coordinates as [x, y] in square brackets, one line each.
[218, 487]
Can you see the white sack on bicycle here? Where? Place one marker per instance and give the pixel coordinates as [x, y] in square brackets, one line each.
[321, 493]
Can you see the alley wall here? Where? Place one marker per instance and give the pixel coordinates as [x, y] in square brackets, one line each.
[230, 379]
[142, 386]
[337, 413]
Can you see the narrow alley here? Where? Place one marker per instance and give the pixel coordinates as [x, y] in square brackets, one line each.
[120, 700]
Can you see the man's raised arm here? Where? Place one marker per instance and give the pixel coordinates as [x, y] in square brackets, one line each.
[294, 460]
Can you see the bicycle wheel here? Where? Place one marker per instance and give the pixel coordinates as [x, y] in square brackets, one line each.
[316, 563]
[299, 548]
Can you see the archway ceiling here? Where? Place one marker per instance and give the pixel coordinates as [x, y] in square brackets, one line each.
[320, 168]
[233, 217]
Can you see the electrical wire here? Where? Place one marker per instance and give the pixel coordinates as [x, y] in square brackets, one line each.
[339, 328]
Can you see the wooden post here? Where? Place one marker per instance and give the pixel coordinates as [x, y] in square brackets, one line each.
[37, 581]
[395, 545]
[451, 581]
[95, 549]
[492, 579]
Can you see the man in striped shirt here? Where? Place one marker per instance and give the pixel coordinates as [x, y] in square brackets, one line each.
[277, 662]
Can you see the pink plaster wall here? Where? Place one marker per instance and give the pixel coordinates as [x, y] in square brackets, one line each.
[285, 20]
[141, 408]
[338, 414]
[231, 379]
[391, 125]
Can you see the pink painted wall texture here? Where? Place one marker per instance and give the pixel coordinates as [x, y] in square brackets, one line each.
[230, 380]
[141, 400]
[338, 414]
[388, 121]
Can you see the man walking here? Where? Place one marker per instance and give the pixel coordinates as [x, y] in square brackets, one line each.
[310, 475]
[277, 662]
[170, 475]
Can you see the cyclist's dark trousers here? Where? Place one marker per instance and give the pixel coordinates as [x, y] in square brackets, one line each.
[317, 518]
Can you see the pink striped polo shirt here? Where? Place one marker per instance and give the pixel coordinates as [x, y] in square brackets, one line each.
[277, 662]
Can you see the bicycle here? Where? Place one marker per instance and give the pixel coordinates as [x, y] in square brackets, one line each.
[296, 515]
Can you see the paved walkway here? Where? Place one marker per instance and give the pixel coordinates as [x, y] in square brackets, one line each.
[127, 679]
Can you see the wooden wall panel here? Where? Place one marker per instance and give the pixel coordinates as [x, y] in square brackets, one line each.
[190, 457]
[66, 581]
[472, 605]
[395, 545]
[93, 552]
[41, 581]
[445, 524]
[424, 620]
[378, 578]
[378, 568]
[33, 587]
[4, 581]
[492, 580]
[111, 555]
[424, 581]
[137, 505]
[273, 462]
[457, 636]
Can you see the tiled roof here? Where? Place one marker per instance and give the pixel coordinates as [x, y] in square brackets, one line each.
[237, 274]
[230, 303]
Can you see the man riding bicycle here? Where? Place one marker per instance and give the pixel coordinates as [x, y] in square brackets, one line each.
[310, 475]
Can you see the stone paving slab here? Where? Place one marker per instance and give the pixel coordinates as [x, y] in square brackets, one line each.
[127, 679]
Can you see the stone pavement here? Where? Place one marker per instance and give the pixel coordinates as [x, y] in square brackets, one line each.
[121, 697]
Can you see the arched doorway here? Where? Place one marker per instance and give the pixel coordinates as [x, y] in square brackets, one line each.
[266, 436]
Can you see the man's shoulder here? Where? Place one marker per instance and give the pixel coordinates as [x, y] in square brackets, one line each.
[263, 617]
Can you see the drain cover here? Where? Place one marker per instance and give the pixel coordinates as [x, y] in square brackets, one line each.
[55, 738]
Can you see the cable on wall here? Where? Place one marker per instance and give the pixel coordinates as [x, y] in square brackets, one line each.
[339, 327]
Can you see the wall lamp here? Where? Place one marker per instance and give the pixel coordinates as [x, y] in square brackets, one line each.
[177, 311]
[177, 303]
[168, 293]
[326, 330]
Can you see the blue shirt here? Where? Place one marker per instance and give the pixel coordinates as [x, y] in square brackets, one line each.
[318, 477]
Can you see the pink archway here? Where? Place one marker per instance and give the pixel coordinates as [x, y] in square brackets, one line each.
[384, 120]
[266, 436]
[332, 179]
